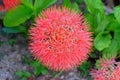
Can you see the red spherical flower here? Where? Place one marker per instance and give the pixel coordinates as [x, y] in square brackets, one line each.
[1, 8]
[9, 4]
[60, 38]
[110, 70]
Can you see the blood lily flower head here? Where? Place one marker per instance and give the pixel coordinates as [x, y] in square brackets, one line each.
[60, 38]
[9, 4]
[110, 70]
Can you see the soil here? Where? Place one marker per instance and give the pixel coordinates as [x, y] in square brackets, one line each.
[11, 58]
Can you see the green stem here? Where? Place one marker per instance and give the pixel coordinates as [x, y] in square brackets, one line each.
[58, 74]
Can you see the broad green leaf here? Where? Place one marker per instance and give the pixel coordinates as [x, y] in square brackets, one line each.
[39, 5]
[91, 20]
[35, 63]
[75, 7]
[94, 5]
[96, 8]
[1, 43]
[102, 40]
[17, 16]
[96, 21]
[97, 64]
[23, 78]
[111, 51]
[117, 37]
[26, 74]
[39, 68]
[19, 73]
[93, 55]
[79, 1]
[104, 24]
[14, 29]
[67, 3]
[85, 67]
[99, 16]
[72, 6]
[117, 13]
[44, 71]
[23, 74]
[37, 71]
[10, 42]
[113, 26]
[101, 27]
[28, 3]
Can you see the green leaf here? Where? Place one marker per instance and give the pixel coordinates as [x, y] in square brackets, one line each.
[93, 55]
[35, 63]
[37, 72]
[99, 16]
[102, 40]
[96, 8]
[85, 68]
[14, 29]
[97, 64]
[38, 68]
[44, 71]
[19, 73]
[79, 1]
[23, 74]
[97, 21]
[111, 51]
[26, 74]
[23, 78]
[28, 3]
[1, 43]
[39, 5]
[103, 25]
[117, 37]
[11, 42]
[75, 7]
[67, 3]
[113, 26]
[117, 13]
[94, 5]
[17, 16]
[91, 20]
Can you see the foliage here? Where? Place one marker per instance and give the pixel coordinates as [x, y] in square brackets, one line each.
[23, 75]
[85, 67]
[16, 18]
[38, 68]
[1, 43]
[105, 27]
[73, 6]
[10, 42]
